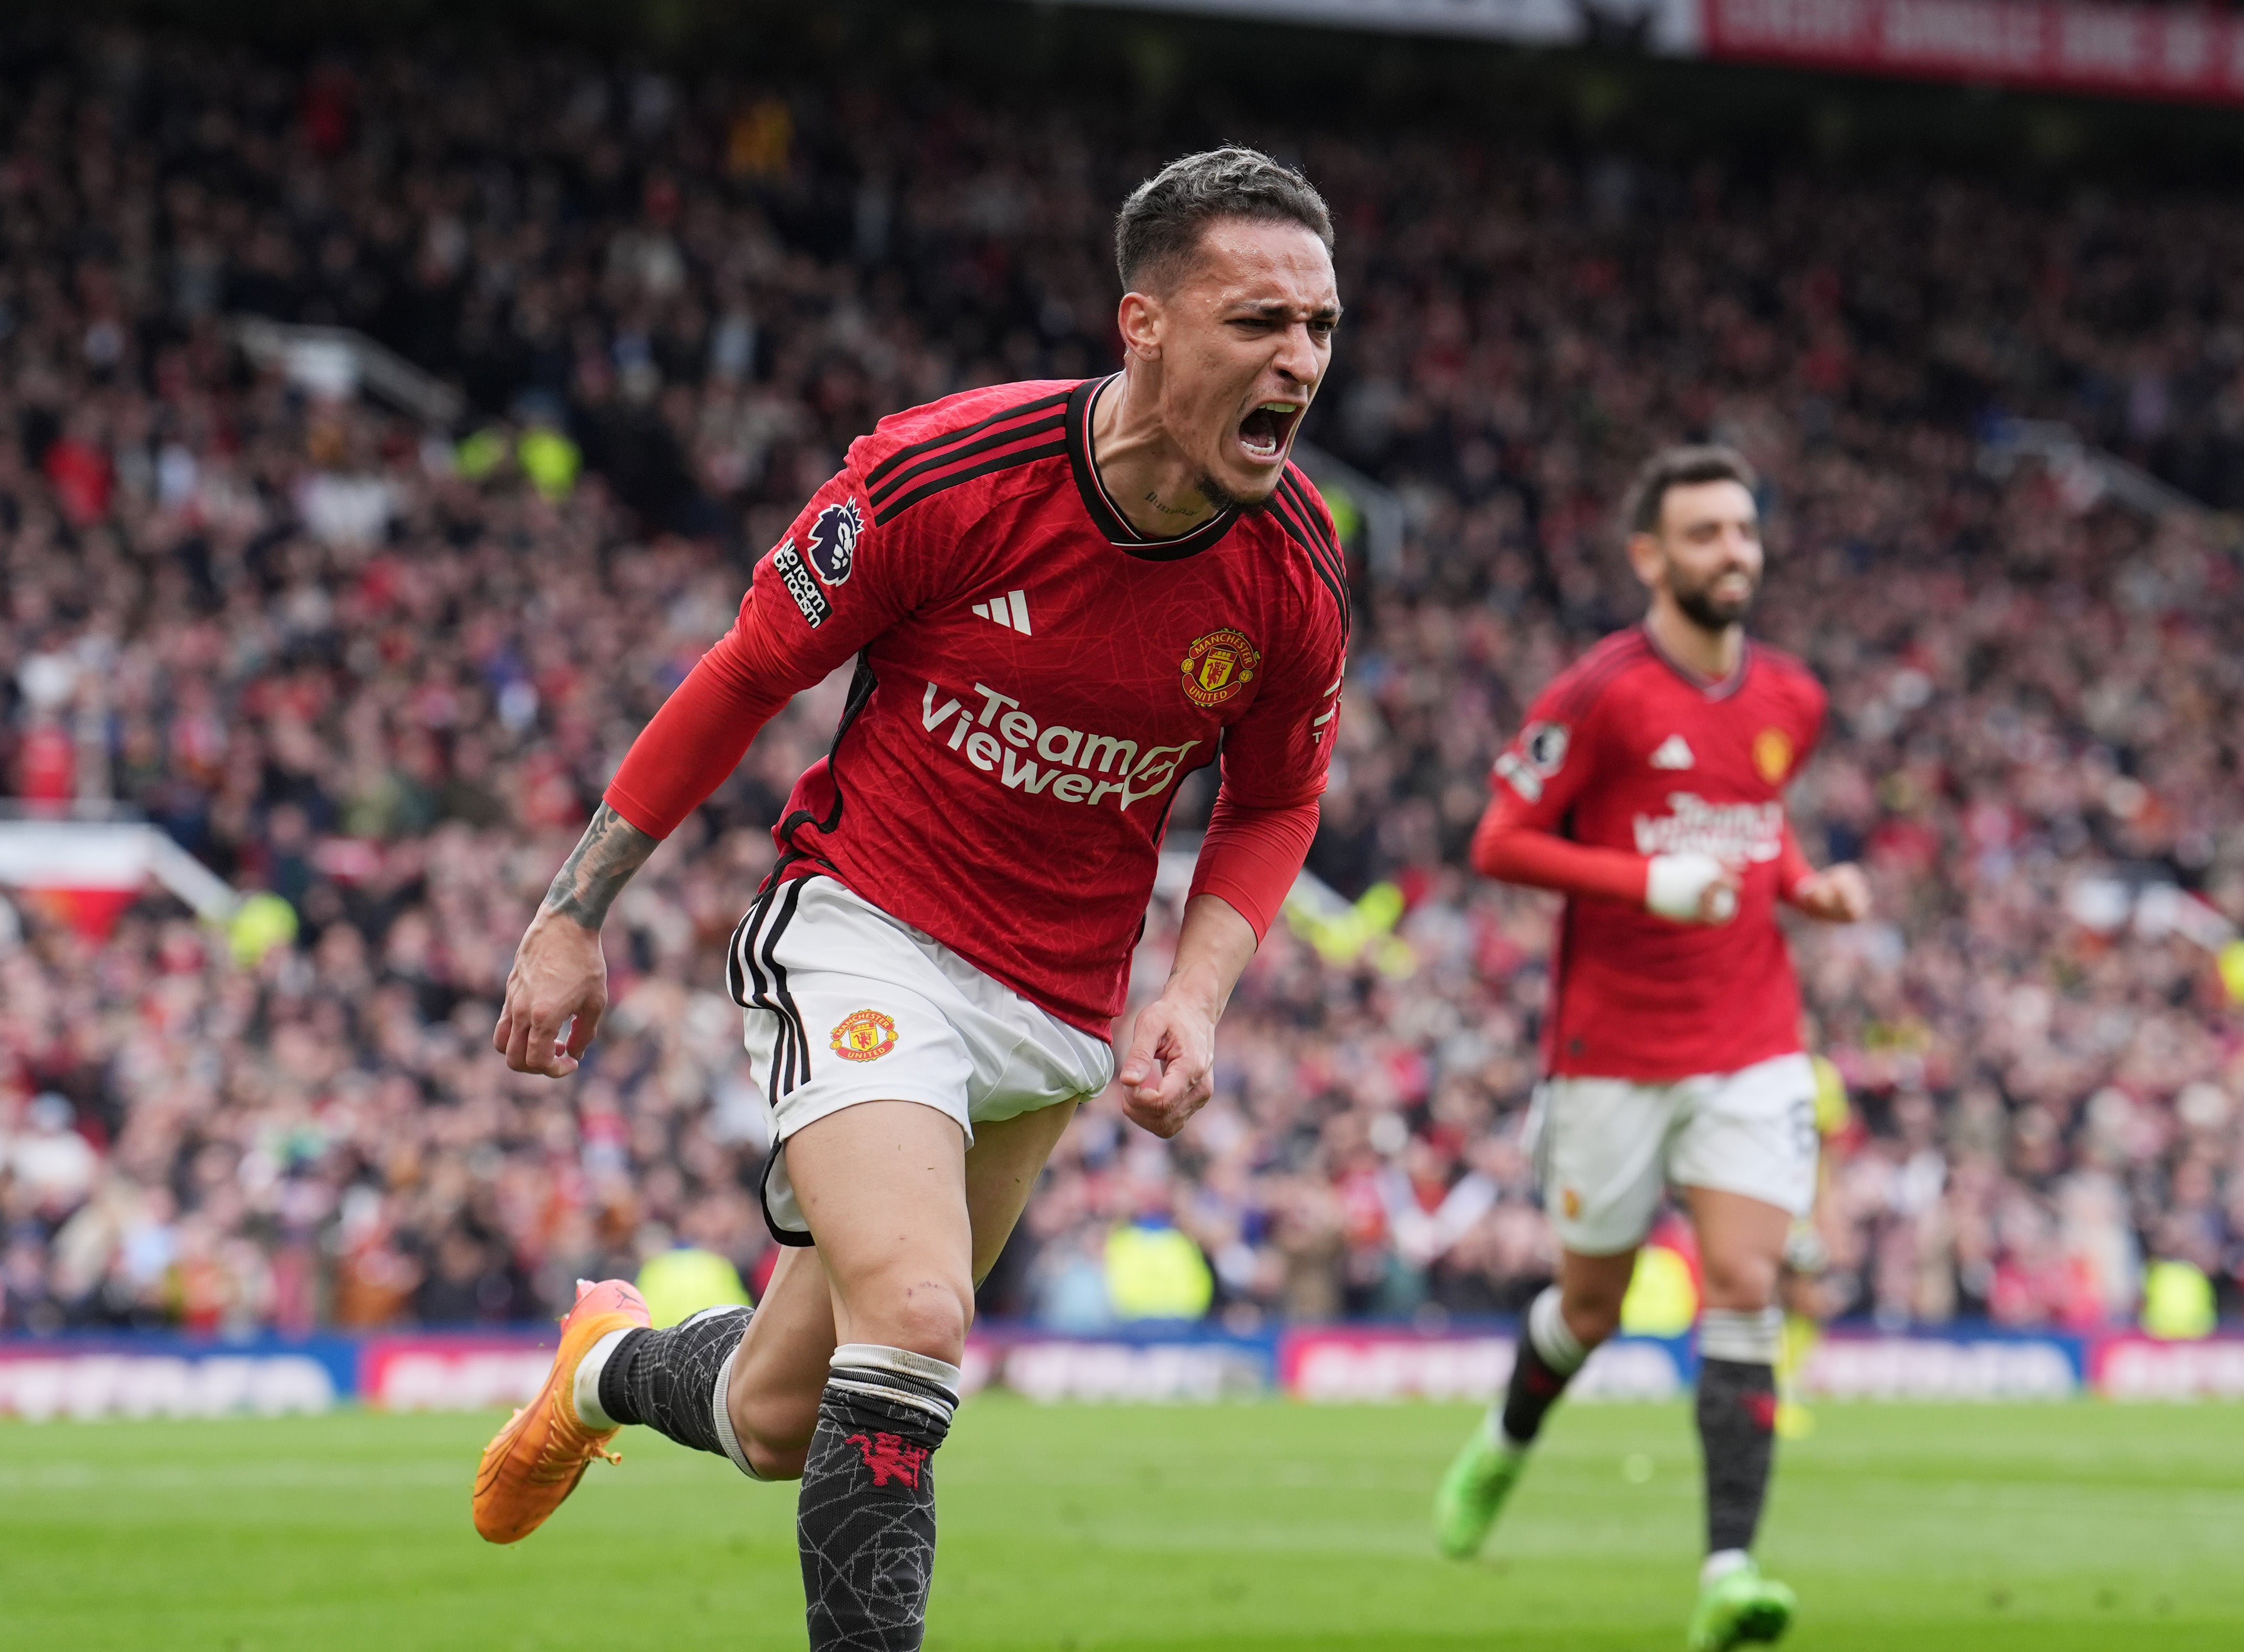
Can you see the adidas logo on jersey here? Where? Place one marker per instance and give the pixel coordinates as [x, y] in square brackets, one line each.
[1674, 753]
[1011, 611]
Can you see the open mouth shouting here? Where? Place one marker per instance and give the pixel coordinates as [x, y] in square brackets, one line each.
[1265, 433]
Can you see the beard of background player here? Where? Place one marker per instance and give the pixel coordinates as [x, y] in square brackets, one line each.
[1703, 608]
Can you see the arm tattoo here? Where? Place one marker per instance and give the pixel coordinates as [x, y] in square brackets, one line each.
[597, 869]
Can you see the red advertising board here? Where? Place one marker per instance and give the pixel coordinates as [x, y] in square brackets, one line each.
[2129, 1367]
[2131, 50]
[452, 1373]
[1345, 1364]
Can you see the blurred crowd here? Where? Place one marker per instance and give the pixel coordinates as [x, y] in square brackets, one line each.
[377, 674]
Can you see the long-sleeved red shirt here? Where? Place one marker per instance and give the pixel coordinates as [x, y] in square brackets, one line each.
[1626, 755]
[1033, 678]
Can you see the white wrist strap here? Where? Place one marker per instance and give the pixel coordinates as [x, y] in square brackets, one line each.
[1675, 884]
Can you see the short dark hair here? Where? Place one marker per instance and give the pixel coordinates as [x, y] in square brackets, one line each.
[1161, 223]
[1681, 467]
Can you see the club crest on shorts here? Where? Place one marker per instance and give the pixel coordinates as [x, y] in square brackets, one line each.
[1218, 665]
[864, 1035]
[832, 547]
[1772, 754]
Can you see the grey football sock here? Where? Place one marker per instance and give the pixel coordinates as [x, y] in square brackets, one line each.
[665, 1378]
[866, 1518]
[1737, 1431]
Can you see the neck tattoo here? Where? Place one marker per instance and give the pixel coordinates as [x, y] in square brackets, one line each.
[1154, 499]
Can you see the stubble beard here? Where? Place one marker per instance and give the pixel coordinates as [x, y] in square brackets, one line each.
[1224, 499]
[1219, 497]
[1703, 610]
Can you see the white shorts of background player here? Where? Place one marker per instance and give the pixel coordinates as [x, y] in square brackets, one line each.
[1606, 1148]
[933, 1029]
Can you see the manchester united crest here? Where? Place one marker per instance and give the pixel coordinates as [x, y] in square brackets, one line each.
[1772, 752]
[864, 1035]
[1218, 665]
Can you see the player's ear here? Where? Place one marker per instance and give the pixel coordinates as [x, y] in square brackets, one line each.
[1645, 557]
[1140, 322]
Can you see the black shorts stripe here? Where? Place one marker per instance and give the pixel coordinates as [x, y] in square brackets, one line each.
[789, 1012]
[736, 987]
[759, 982]
[1056, 450]
[1052, 425]
[905, 455]
[747, 975]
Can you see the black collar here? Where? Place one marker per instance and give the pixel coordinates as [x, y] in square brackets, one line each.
[1105, 516]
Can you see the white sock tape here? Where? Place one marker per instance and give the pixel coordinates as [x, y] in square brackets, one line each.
[721, 1412]
[585, 1390]
[858, 1367]
[1751, 1337]
[1554, 1338]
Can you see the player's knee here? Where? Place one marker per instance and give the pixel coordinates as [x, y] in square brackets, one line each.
[777, 1462]
[1592, 1319]
[919, 1315]
[1746, 1284]
[774, 1431]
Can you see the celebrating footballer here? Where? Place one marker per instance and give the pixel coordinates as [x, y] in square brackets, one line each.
[1647, 786]
[1061, 598]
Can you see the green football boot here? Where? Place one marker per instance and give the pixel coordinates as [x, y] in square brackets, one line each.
[1472, 1494]
[1739, 1607]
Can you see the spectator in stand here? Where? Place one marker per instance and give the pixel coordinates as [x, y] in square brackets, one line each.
[380, 675]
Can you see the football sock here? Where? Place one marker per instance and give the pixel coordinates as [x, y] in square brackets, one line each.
[1549, 1356]
[1737, 1431]
[866, 1519]
[1753, 1336]
[668, 1379]
[1721, 1563]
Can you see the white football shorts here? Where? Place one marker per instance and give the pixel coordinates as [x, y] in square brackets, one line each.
[842, 1004]
[1604, 1148]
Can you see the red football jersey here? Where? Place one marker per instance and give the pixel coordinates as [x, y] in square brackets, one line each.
[1034, 678]
[1627, 751]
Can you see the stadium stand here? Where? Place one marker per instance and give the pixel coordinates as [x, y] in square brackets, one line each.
[381, 672]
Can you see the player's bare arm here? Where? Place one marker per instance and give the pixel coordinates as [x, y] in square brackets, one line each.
[1168, 1074]
[560, 977]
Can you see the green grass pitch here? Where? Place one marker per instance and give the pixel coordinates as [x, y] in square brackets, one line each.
[1267, 1525]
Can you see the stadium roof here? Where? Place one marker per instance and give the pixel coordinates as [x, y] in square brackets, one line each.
[2133, 50]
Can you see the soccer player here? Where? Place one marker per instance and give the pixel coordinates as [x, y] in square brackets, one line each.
[1061, 598]
[1803, 1289]
[1647, 786]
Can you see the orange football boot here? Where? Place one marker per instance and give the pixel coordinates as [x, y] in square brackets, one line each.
[539, 1456]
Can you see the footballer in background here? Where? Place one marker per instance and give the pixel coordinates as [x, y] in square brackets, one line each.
[1647, 786]
[1807, 1287]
